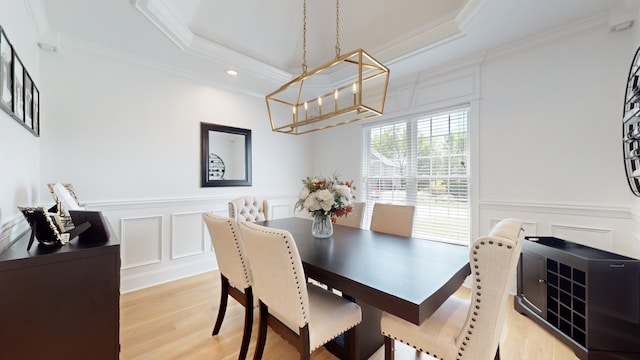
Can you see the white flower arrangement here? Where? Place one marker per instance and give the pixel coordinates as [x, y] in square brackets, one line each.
[326, 196]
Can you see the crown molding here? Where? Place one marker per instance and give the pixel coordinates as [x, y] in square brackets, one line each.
[532, 41]
[166, 21]
[431, 36]
[225, 56]
[47, 38]
[421, 41]
[468, 12]
[156, 65]
[35, 9]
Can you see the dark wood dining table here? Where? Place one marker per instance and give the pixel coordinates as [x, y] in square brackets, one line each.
[405, 276]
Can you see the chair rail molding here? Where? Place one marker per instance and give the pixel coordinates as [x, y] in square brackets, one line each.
[165, 239]
[608, 228]
[560, 209]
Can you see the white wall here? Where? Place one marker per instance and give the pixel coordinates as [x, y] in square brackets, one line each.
[126, 134]
[551, 121]
[122, 130]
[19, 149]
[548, 132]
[550, 138]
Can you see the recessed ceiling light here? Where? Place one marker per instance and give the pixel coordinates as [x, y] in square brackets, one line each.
[231, 72]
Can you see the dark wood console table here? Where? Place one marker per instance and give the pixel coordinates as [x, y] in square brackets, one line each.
[60, 302]
[588, 298]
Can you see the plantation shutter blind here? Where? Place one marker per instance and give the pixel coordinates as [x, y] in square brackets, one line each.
[422, 161]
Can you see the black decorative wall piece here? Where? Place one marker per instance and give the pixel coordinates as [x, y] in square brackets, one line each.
[19, 96]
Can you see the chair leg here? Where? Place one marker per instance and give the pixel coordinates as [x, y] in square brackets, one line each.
[248, 324]
[389, 348]
[262, 332]
[303, 345]
[224, 296]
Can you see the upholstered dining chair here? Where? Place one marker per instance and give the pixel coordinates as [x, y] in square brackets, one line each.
[249, 208]
[461, 328]
[392, 219]
[235, 273]
[354, 218]
[304, 315]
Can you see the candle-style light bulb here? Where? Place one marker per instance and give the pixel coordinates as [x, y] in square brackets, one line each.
[320, 105]
[306, 110]
[354, 88]
[293, 109]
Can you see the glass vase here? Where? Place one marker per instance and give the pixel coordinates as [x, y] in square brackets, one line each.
[322, 226]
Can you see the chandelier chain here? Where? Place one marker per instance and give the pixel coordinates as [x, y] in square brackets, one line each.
[337, 29]
[304, 38]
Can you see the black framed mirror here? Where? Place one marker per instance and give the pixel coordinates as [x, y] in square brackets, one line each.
[225, 155]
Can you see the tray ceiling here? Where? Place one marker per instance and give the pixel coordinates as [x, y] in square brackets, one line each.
[263, 39]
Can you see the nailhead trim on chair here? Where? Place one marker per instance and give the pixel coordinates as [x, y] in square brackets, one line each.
[461, 350]
[304, 310]
[467, 338]
[300, 298]
[245, 266]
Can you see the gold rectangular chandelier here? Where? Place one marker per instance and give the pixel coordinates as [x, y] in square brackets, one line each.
[350, 88]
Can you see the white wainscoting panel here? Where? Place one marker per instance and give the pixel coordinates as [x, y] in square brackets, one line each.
[606, 228]
[141, 240]
[589, 236]
[279, 211]
[187, 234]
[530, 227]
[166, 239]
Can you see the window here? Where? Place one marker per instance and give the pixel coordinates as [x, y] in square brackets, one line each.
[422, 161]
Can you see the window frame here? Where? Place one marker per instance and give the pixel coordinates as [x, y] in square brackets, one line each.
[412, 178]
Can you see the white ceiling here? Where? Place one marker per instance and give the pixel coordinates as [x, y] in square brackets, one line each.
[263, 39]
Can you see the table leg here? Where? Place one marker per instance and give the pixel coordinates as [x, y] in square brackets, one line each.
[369, 339]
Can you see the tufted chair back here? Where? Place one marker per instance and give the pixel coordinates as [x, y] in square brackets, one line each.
[249, 208]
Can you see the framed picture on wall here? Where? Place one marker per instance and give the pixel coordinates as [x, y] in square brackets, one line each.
[18, 86]
[28, 100]
[225, 155]
[36, 110]
[6, 76]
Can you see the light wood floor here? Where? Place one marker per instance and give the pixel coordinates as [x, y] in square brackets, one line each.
[174, 321]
